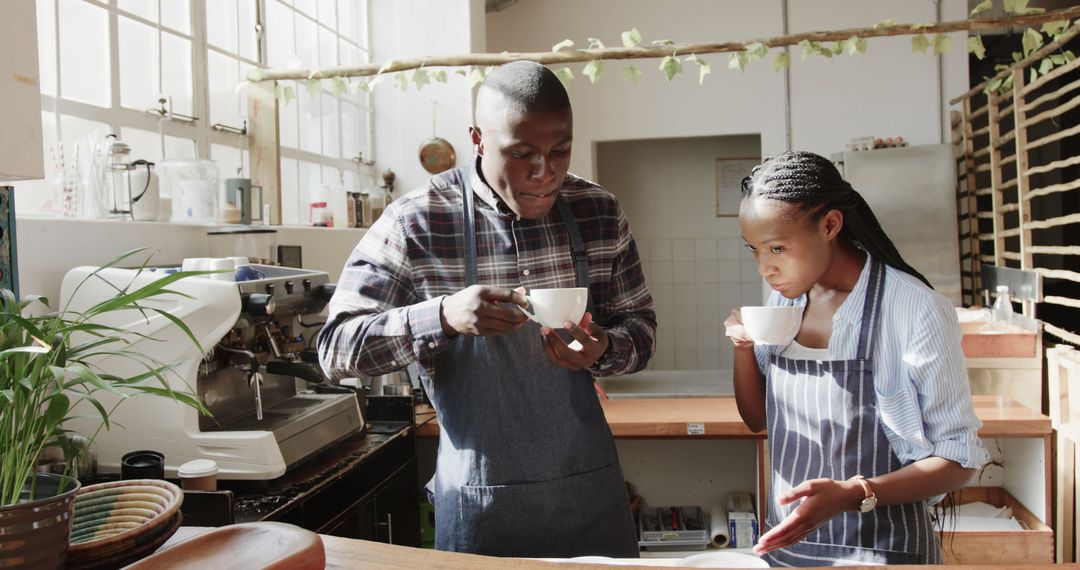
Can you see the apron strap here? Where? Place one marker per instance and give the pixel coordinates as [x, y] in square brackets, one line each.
[577, 247]
[875, 287]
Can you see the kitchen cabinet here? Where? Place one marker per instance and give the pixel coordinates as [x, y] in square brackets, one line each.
[684, 451]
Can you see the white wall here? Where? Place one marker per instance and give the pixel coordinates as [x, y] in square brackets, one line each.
[403, 120]
[694, 262]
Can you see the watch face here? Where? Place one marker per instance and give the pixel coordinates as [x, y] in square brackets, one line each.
[868, 504]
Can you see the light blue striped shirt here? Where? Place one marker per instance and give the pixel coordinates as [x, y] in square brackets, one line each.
[920, 379]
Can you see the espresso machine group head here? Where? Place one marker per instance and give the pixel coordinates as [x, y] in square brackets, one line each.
[253, 378]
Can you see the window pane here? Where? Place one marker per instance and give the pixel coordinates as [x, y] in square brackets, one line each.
[351, 55]
[138, 64]
[354, 130]
[176, 79]
[222, 79]
[46, 29]
[327, 48]
[75, 130]
[351, 24]
[176, 14]
[330, 124]
[289, 130]
[310, 186]
[221, 25]
[310, 121]
[327, 14]
[305, 6]
[290, 198]
[84, 53]
[249, 43]
[228, 161]
[279, 34]
[143, 8]
[307, 42]
[144, 144]
[176, 147]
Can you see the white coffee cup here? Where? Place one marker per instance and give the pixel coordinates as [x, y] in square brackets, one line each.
[198, 475]
[772, 325]
[553, 307]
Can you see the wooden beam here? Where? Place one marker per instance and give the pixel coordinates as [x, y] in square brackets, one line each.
[263, 145]
[1023, 180]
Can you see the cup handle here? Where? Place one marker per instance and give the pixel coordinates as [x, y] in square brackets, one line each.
[531, 316]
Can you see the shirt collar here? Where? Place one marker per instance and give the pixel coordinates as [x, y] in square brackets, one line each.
[485, 192]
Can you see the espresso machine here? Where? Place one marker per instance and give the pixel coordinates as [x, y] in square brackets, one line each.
[253, 372]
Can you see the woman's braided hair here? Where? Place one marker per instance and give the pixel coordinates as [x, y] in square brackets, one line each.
[812, 182]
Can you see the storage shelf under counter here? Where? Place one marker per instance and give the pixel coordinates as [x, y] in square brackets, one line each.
[694, 450]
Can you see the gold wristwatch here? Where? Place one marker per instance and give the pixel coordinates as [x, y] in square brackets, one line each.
[870, 501]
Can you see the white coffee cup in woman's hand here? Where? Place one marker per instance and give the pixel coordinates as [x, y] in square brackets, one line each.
[734, 329]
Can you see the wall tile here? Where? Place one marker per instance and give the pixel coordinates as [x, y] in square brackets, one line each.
[664, 360]
[660, 250]
[665, 338]
[683, 271]
[685, 338]
[706, 271]
[644, 249]
[686, 359]
[708, 360]
[751, 294]
[708, 338]
[709, 314]
[729, 248]
[662, 293]
[729, 295]
[704, 294]
[728, 271]
[686, 316]
[683, 249]
[685, 294]
[706, 250]
[660, 272]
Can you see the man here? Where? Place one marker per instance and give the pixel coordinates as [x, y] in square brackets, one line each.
[527, 465]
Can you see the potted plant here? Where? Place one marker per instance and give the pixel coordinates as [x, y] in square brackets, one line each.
[47, 369]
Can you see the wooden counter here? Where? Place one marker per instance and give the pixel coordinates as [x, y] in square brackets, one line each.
[1016, 343]
[719, 418]
[344, 553]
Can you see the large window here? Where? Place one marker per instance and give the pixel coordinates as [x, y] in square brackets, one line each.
[106, 65]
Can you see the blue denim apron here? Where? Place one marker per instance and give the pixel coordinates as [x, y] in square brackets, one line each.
[527, 465]
[823, 422]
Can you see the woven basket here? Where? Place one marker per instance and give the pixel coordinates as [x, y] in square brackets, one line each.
[122, 521]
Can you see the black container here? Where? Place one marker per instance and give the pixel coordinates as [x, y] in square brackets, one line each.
[143, 464]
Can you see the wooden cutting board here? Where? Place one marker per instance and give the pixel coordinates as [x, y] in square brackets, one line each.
[253, 546]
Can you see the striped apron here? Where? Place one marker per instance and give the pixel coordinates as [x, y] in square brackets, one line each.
[824, 423]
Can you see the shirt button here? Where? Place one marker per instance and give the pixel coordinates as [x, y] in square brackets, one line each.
[431, 345]
[393, 363]
[526, 272]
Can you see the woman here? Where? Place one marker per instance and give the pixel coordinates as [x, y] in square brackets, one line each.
[868, 408]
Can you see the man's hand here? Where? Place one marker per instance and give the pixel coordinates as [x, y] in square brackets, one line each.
[475, 311]
[590, 343]
[822, 499]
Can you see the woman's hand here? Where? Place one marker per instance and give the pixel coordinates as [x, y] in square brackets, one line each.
[735, 330]
[822, 499]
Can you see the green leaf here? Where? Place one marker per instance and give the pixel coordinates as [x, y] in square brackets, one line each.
[633, 73]
[737, 60]
[1054, 28]
[1016, 57]
[942, 44]
[565, 75]
[663, 43]
[440, 76]
[595, 44]
[1007, 84]
[631, 38]
[565, 44]
[1045, 66]
[920, 43]
[982, 7]
[884, 24]
[975, 46]
[289, 94]
[1033, 76]
[671, 66]
[421, 78]
[1069, 55]
[1058, 59]
[1032, 40]
[401, 80]
[256, 74]
[593, 70]
[476, 77]
[922, 25]
[703, 67]
[855, 45]
[386, 67]
[756, 50]
[993, 85]
[782, 60]
[339, 86]
[1021, 7]
[312, 87]
[808, 49]
[839, 47]
[58, 407]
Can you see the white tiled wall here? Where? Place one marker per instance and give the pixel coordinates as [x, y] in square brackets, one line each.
[696, 282]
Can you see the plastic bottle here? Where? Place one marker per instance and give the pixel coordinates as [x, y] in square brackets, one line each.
[350, 210]
[1002, 312]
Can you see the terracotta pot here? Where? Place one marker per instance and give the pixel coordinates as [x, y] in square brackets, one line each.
[35, 534]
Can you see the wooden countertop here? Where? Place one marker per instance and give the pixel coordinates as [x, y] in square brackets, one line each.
[719, 418]
[347, 553]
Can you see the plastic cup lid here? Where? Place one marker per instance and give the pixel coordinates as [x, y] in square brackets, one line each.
[198, 468]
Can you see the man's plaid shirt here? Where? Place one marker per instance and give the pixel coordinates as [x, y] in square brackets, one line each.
[385, 312]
